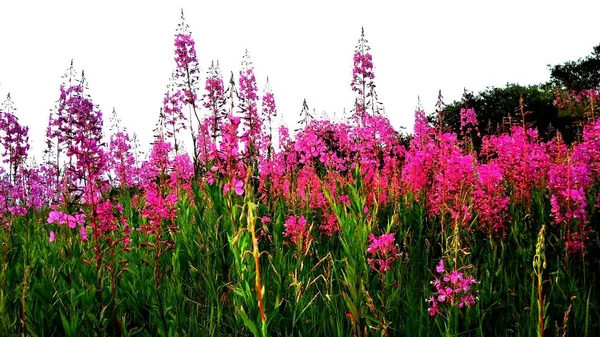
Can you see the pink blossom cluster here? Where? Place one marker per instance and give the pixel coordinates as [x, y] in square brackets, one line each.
[382, 250]
[363, 70]
[523, 159]
[490, 200]
[214, 100]
[330, 224]
[227, 162]
[587, 153]
[159, 163]
[296, 229]
[5, 201]
[121, 160]
[252, 121]
[308, 146]
[452, 288]
[71, 220]
[158, 208]
[362, 80]
[80, 128]
[269, 112]
[187, 70]
[205, 141]
[173, 111]
[419, 164]
[568, 183]
[16, 196]
[14, 139]
[235, 185]
[269, 107]
[182, 172]
[28, 190]
[326, 154]
[185, 51]
[468, 121]
[453, 182]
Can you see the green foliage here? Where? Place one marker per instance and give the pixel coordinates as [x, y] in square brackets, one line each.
[209, 285]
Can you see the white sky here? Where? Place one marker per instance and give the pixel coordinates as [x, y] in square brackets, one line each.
[305, 47]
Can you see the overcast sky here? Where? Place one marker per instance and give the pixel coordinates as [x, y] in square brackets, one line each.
[305, 47]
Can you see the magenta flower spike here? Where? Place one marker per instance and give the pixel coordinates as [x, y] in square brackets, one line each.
[214, 100]
[14, 139]
[363, 84]
[252, 122]
[383, 252]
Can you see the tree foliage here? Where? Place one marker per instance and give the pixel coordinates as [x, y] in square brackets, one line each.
[498, 109]
[577, 75]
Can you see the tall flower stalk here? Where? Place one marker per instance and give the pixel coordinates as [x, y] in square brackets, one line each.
[14, 138]
[187, 79]
[215, 101]
[269, 110]
[251, 120]
[363, 83]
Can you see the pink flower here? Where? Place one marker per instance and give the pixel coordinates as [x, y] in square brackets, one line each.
[71, 221]
[330, 224]
[83, 233]
[451, 290]
[453, 277]
[58, 218]
[126, 233]
[434, 309]
[444, 293]
[489, 199]
[51, 239]
[236, 185]
[468, 300]
[440, 267]
[383, 248]
[295, 228]
[468, 120]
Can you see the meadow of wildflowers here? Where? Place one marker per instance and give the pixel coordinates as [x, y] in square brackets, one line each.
[338, 229]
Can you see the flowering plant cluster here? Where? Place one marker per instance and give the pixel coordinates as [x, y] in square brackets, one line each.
[14, 138]
[383, 252]
[453, 287]
[340, 204]
[296, 230]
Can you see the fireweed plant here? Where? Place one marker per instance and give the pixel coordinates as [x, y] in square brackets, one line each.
[339, 228]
